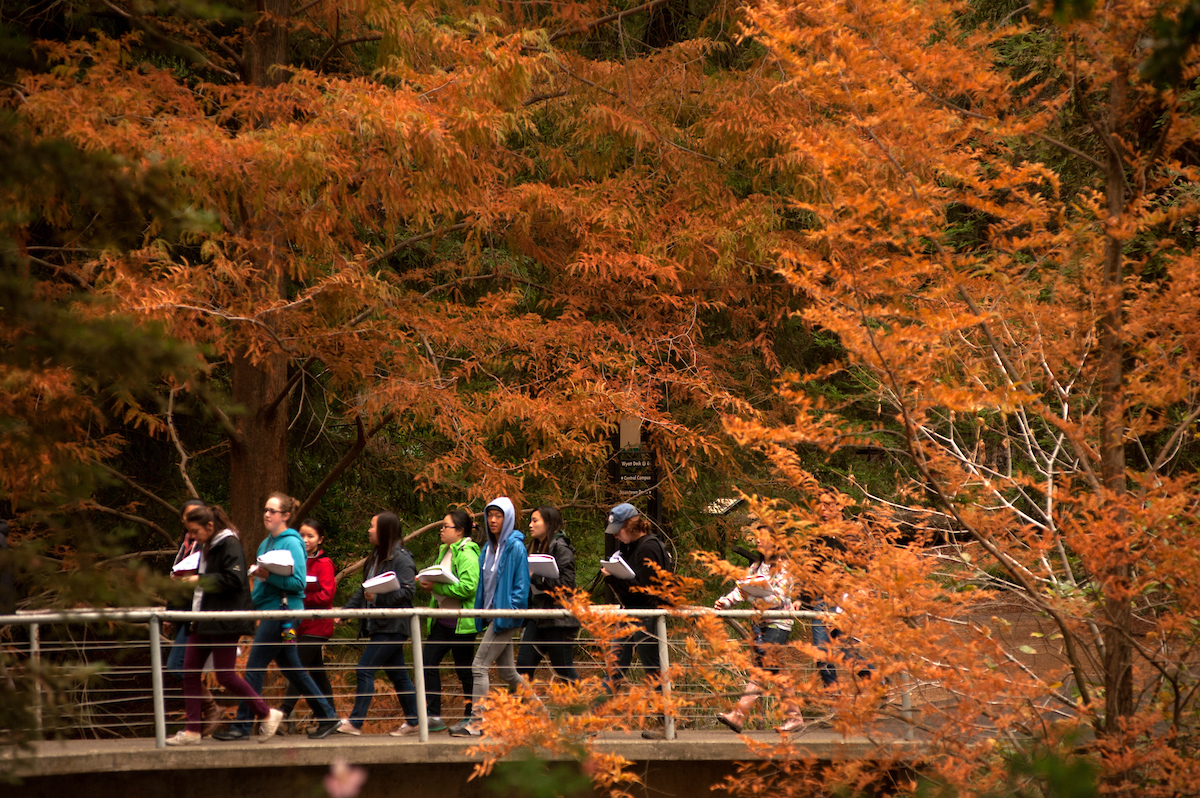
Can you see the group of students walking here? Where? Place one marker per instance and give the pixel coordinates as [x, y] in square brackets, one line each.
[496, 577]
[463, 577]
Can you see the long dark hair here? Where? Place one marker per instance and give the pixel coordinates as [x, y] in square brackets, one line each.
[207, 514]
[554, 524]
[387, 533]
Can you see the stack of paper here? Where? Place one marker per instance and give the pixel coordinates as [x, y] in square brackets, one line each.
[756, 586]
[543, 565]
[188, 566]
[617, 566]
[386, 582]
[438, 574]
[278, 562]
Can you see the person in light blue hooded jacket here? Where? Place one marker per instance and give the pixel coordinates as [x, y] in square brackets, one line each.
[503, 585]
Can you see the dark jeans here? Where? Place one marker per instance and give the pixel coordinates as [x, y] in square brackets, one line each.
[766, 637]
[556, 643]
[174, 666]
[224, 653]
[645, 644]
[384, 651]
[311, 651]
[269, 646]
[444, 640]
[823, 638]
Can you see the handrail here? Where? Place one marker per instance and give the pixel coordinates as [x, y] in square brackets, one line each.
[144, 615]
[156, 616]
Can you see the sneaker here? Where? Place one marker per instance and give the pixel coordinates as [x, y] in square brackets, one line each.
[436, 724]
[470, 729]
[185, 738]
[270, 724]
[230, 733]
[406, 730]
[323, 729]
[349, 728]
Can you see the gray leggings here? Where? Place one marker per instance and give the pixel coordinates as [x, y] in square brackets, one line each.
[496, 648]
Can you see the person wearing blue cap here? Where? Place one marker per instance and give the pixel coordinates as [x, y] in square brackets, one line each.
[639, 547]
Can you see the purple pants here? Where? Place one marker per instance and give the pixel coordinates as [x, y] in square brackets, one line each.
[224, 653]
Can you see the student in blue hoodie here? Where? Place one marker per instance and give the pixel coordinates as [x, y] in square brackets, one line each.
[276, 592]
[503, 585]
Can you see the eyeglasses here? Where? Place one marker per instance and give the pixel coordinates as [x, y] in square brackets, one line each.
[272, 511]
[449, 526]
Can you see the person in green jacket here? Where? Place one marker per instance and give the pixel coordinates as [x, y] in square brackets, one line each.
[459, 556]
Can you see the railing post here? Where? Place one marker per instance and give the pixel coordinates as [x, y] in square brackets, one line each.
[419, 677]
[664, 669]
[906, 704]
[35, 663]
[156, 683]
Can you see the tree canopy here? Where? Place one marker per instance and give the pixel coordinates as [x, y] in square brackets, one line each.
[474, 236]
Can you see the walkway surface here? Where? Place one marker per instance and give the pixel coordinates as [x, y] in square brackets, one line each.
[56, 758]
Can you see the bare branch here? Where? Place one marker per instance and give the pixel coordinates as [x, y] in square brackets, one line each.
[149, 495]
[370, 37]
[562, 34]
[349, 457]
[408, 242]
[136, 519]
[183, 455]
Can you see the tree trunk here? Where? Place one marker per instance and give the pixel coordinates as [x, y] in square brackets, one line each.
[1118, 650]
[258, 465]
[265, 52]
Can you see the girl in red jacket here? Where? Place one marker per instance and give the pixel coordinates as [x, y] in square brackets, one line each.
[314, 633]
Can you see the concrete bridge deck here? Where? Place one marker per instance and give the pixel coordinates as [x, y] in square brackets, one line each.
[294, 766]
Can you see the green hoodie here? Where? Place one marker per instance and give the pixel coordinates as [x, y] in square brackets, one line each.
[464, 563]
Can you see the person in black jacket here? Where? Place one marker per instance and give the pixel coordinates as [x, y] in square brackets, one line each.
[386, 636]
[213, 714]
[552, 638]
[639, 547]
[220, 587]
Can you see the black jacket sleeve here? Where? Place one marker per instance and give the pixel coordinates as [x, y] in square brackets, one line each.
[401, 564]
[564, 557]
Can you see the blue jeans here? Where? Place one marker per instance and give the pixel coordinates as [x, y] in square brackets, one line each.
[823, 638]
[269, 647]
[174, 665]
[765, 638]
[386, 652]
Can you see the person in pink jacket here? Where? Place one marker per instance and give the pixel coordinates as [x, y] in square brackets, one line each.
[313, 633]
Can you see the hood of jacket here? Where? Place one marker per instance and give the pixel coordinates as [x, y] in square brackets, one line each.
[505, 505]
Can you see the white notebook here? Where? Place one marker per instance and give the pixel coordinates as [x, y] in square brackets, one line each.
[617, 566]
[436, 573]
[188, 565]
[543, 565]
[278, 562]
[386, 582]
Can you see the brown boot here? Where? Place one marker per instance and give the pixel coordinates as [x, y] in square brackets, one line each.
[736, 718]
[212, 714]
[793, 724]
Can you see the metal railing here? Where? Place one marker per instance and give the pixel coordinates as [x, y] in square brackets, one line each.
[154, 618]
